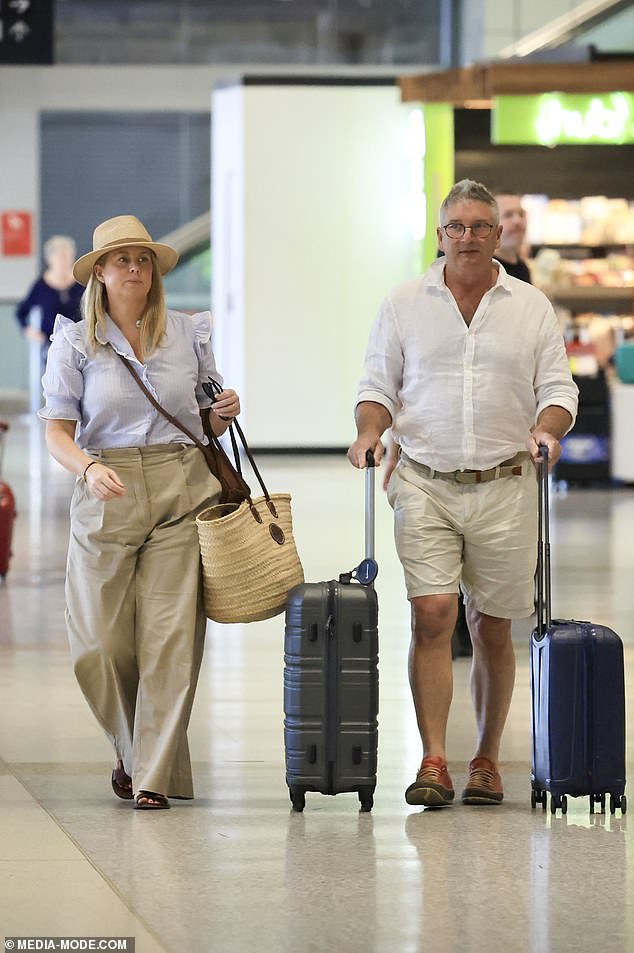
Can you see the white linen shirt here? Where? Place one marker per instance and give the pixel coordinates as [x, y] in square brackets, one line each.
[465, 396]
[93, 387]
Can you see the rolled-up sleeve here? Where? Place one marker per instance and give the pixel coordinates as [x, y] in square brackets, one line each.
[554, 385]
[63, 380]
[206, 360]
[383, 370]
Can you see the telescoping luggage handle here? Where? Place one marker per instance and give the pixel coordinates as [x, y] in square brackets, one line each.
[367, 570]
[543, 549]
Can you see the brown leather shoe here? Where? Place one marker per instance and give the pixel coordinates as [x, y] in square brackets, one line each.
[433, 787]
[484, 785]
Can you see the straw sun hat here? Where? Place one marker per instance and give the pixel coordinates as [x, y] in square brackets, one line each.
[121, 232]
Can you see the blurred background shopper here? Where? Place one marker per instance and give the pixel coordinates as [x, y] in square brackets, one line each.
[511, 243]
[55, 292]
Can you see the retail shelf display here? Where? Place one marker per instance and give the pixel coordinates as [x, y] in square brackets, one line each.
[584, 262]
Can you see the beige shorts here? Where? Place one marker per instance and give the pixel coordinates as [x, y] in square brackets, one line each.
[478, 537]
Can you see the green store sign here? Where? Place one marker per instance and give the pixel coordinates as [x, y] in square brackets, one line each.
[554, 119]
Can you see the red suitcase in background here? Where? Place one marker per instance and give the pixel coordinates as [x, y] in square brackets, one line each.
[7, 511]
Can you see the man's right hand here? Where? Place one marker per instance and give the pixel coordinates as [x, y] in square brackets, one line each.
[358, 450]
[372, 420]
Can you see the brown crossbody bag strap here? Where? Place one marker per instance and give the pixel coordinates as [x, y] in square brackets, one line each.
[155, 403]
[235, 489]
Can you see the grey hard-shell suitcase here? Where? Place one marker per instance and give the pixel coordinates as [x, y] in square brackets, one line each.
[331, 681]
[578, 699]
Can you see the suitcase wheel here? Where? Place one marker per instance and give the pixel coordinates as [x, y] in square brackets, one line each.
[618, 801]
[558, 801]
[366, 797]
[597, 799]
[298, 797]
[538, 797]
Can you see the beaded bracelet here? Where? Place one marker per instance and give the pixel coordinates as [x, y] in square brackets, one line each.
[88, 466]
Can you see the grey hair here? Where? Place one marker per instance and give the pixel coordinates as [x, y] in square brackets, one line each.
[55, 242]
[467, 190]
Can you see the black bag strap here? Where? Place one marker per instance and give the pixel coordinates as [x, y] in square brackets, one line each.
[543, 548]
[211, 436]
[212, 388]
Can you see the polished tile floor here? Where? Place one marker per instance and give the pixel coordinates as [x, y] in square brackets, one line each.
[236, 870]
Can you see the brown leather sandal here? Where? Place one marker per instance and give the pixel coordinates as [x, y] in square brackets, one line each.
[122, 784]
[153, 802]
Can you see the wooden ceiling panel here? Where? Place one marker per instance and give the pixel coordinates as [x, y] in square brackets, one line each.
[516, 79]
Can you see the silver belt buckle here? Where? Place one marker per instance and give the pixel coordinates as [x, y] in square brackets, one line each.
[460, 476]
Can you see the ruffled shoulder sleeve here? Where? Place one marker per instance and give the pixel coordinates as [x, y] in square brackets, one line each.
[202, 322]
[63, 381]
[72, 333]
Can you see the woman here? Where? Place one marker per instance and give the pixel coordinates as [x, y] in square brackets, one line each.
[133, 586]
[55, 292]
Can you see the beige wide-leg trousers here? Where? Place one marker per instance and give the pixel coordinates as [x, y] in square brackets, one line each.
[134, 608]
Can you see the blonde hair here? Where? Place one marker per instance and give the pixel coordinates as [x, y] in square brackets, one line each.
[94, 307]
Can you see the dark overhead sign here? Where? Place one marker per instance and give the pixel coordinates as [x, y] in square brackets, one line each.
[26, 32]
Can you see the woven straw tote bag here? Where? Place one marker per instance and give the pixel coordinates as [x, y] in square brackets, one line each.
[249, 558]
[250, 561]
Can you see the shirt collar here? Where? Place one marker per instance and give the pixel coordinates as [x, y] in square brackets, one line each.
[504, 279]
[436, 275]
[113, 336]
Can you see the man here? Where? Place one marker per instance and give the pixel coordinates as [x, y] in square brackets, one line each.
[467, 367]
[513, 222]
[512, 218]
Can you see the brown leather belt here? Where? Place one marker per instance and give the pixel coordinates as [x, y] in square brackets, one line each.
[507, 468]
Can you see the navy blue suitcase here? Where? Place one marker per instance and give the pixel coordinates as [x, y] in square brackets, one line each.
[331, 681]
[577, 698]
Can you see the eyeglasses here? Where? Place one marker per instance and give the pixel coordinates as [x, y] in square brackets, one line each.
[478, 229]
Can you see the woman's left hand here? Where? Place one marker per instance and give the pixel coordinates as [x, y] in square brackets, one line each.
[227, 404]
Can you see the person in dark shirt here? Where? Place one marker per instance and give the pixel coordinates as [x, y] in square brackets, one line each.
[55, 292]
[513, 222]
